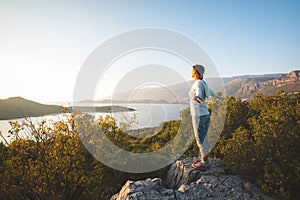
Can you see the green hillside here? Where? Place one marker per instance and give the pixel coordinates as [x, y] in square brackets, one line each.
[18, 107]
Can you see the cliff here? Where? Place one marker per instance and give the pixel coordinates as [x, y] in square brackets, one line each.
[184, 183]
[246, 87]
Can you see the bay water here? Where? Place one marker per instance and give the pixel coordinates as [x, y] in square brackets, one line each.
[147, 115]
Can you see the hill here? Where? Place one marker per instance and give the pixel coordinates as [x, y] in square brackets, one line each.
[238, 86]
[18, 107]
[170, 94]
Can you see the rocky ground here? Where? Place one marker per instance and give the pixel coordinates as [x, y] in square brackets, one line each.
[185, 183]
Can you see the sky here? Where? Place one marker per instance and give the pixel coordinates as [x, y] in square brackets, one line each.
[44, 44]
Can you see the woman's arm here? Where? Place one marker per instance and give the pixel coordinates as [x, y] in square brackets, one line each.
[212, 93]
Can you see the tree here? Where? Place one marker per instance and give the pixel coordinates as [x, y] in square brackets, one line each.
[51, 163]
[260, 142]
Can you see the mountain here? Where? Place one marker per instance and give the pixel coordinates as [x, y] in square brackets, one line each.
[18, 107]
[245, 87]
[172, 94]
[238, 86]
[177, 93]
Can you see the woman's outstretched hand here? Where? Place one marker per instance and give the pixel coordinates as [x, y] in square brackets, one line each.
[221, 98]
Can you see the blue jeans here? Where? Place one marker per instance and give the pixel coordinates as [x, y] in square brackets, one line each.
[201, 125]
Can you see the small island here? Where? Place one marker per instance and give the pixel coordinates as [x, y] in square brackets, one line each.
[102, 109]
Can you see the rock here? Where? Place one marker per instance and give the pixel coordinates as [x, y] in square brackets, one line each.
[182, 172]
[146, 189]
[184, 188]
[185, 183]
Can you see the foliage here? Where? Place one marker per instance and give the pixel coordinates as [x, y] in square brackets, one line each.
[236, 116]
[260, 141]
[52, 163]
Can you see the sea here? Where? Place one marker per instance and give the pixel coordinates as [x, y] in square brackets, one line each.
[147, 115]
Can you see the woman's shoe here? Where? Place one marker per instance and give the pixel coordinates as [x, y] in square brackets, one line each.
[200, 166]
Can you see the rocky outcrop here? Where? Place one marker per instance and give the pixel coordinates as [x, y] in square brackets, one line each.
[185, 183]
[146, 189]
[289, 78]
[181, 172]
[245, 87]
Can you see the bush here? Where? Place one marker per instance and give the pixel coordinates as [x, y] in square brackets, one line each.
[264, 144]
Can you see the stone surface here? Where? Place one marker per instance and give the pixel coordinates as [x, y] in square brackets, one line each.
[185, 183]
[145, 189]
[181, 172]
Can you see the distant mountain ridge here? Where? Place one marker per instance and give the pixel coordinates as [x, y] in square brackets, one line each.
[238, 86]
[245, 87]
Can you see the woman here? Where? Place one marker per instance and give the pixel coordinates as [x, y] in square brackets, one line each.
[200, 114]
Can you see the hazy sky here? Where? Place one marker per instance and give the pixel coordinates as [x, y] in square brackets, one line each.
[43, 44]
